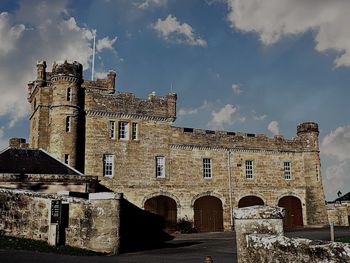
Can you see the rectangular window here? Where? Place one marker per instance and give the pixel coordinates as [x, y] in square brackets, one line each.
[123, 130]
[66, 159]
[207, 168]
[287, 171]
[134, 131]
[249, 169]
[112, 129]
[108, 165]
[160, 167]
[69, 94]
[68, 124]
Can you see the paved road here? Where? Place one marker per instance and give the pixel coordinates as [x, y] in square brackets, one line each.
[184, 248]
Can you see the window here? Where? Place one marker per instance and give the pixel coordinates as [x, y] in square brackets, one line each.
[249, 169]
[160, 167]
[69, 94]
[34, 104]
[68, 124]
[66, 159]
[112, 129]
[134, 129]
[108, 165]
[287, 171]
[207, 168]
[123, 130]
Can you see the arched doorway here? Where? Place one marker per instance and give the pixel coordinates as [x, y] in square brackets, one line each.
[208, 214]
[250, 201]
[294, 211]
[165, 207]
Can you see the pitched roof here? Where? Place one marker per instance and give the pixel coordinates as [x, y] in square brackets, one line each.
[345, 197]
[32, 161]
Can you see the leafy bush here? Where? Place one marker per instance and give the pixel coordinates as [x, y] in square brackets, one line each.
[185, 226]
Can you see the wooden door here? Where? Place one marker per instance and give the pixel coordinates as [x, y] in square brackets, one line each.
[294, 212]
[208, 214]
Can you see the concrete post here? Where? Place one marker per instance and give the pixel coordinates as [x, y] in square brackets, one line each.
[257, 220]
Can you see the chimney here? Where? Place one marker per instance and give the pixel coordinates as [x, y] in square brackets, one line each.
[18, 143]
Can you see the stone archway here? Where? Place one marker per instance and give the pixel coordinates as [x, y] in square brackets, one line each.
[166, 207]
[208, 214]
[294, 211]
[250, 200]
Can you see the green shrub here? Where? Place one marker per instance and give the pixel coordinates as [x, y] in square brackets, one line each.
[185, 226]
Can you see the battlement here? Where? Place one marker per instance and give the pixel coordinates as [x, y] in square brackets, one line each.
[104, 85]
[70, 71]
[241, 140]
[307, 127]
[159, 107]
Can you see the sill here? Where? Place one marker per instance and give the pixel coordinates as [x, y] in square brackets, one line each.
[160, 177]
[250, 179]
[207, 178]
[108, 176]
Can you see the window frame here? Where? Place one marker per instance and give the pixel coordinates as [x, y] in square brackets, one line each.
[134, 131]
[69, 94]
[108, 165]
[66, 159]
[126, 132]
[160, 173]
[111, 129]
[207, 164]
[249, 169]
[287, 173]
[68, 123]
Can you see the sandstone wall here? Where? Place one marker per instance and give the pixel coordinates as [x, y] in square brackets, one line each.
[92, 224]
[338, 214]
[272, 248]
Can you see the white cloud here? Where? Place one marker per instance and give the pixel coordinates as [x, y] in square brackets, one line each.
[100, 75]
[274, 19]
[150, 3]
[3, 141]
[337, 178]
[171, 30]
[105, 43]
[259, 117]
[337, 143]
[191, 111]
[38, 30]
[273, 127]
[237, 89]
[225, 116]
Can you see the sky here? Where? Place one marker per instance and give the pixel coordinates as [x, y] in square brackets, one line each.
[257, 66]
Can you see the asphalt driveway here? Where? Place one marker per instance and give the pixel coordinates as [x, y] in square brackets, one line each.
[184, 248]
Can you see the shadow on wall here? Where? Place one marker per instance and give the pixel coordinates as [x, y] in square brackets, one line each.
[140, 229]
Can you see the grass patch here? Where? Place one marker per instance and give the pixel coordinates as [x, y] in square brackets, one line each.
[16, 243]
[343, 239]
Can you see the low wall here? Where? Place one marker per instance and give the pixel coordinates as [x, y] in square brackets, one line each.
[89, 224]
[276, 248]
[338, 214]
[260, 238]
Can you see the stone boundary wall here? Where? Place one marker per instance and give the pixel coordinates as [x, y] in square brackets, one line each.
[260, 238]
[92, 224]
[277, 248]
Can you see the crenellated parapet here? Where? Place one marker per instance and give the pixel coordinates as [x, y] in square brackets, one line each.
[103, 85]
[239, 140]
[159, 107]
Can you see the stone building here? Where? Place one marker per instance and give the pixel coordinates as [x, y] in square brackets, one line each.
[180, 173]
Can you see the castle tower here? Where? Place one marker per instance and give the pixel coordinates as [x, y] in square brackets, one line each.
[316, 214]
[39, 98]
[66, 122]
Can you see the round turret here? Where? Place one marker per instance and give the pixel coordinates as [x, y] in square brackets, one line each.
[307, 127]
[71, 71]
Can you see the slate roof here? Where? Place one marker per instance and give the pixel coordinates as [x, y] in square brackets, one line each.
[343, 198]
[32, 161]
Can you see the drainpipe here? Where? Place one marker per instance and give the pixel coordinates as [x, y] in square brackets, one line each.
[230, 185]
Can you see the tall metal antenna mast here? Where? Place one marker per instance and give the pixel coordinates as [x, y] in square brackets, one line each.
[93, 57]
